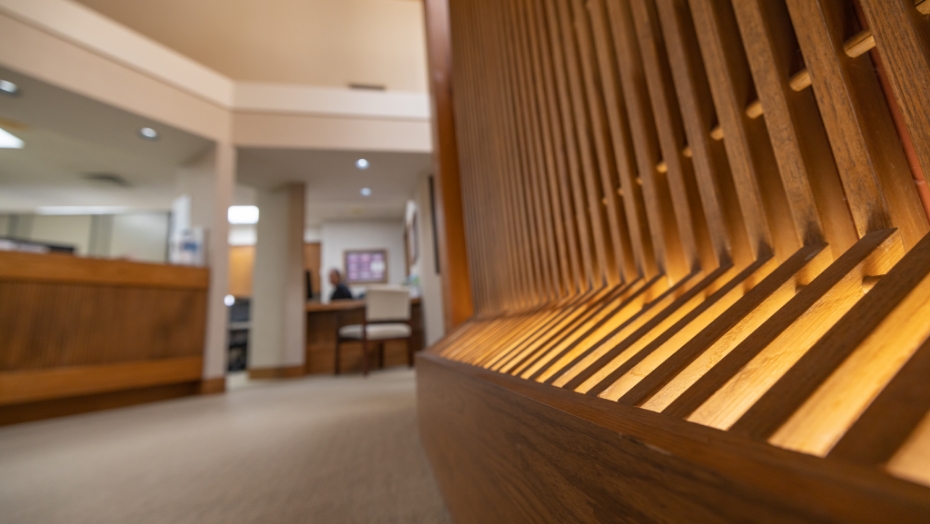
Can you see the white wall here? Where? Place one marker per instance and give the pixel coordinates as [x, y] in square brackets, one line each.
[339, 236]
[140, 236]
[68, 230]
[425, 265]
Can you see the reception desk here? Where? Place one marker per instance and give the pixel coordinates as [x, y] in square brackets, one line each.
[80, 334]
[323, 320]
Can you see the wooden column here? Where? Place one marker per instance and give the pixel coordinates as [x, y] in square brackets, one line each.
[453, 254]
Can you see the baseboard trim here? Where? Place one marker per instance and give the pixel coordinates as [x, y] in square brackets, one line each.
[37, 385]
[45, 409]
[213, 386]
[277, 372]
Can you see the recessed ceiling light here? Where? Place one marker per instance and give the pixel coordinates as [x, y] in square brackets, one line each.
[243, 214]
[361, 163]
[9, 87]
[9, 141]
[148, 133]
[366, 191]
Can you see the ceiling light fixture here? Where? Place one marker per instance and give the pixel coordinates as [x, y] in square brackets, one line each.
[361, 163]
[148, 133]
[9, 87]
[243, 214]
[9, 141]
[229, 300]
[366, 191]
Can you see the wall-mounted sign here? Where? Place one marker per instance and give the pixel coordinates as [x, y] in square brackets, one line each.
[368, 266]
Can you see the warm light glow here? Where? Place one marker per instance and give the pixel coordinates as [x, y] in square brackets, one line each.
[720, 348]
[658, 328]
[243, 214]
[642, 313]
[912, 461]
[579, 313]
[517, 349]
[649, 364]
[8, 141]
[553, 352]
[834, 407]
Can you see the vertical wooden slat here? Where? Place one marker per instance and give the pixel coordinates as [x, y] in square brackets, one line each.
[558, 179]
[747, 145]
[686, 201]
[902, 38]
[557, 42]
[666, 240]
[870, 159]
[727, 227]
[812, 184]
[631, 193]
[616, 265]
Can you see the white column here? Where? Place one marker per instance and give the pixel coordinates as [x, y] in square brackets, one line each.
[430, 280]
[277, 339]
[209, 183]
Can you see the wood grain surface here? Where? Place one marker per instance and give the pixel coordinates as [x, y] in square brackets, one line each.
[707, 219]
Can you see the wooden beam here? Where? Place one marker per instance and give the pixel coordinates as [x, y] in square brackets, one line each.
[457, 294]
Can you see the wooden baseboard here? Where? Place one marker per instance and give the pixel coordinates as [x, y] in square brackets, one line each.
[35, 385]
[213, 386]
[31, 411]
[280, 372]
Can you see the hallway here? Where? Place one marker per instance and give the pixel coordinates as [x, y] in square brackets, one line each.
[325, 449]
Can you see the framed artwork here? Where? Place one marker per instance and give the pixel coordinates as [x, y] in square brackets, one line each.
[365, 266]
[412, 237]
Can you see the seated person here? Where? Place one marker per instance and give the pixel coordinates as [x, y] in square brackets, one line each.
[340, 291]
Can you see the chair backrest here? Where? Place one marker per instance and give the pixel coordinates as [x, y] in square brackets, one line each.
[387, 303]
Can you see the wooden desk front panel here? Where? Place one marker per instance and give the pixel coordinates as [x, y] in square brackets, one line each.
[72, 327]
[46, 325]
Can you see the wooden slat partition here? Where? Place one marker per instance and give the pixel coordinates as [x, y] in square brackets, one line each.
[73, 327]
[706, 212]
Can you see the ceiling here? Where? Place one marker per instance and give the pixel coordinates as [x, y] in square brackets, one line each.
[333, 183]
[310, 42]
[68, 136]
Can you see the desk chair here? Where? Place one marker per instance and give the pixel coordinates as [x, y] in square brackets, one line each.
[387, 318]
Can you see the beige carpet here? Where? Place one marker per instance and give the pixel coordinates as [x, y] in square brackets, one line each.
[327, 450]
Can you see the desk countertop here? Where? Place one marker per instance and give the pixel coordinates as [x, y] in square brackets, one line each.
[342, 305]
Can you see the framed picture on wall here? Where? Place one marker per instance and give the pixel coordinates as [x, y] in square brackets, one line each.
[365, 266]
[412, 237]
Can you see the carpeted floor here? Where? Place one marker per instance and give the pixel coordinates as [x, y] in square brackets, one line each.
[316, 450]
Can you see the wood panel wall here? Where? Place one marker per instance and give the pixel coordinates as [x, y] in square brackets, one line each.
[713, 211]
[313, 263]
[241, 268]
[75, 327]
